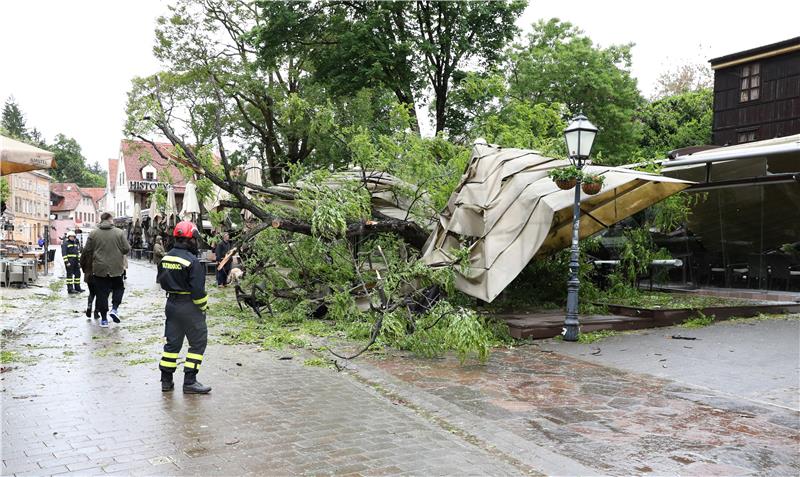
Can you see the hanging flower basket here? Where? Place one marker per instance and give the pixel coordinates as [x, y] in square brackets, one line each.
[565, 177]
[591, 189]
[591, 185]
[566, 184]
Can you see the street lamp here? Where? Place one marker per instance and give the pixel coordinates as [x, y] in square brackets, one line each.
[579, 136]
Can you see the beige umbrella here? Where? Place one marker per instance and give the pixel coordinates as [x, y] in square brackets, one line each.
[253, 176]
[153, 211]
[16, 156]
[172, 207]
[214, 199]
[506, 211]
[190, 204]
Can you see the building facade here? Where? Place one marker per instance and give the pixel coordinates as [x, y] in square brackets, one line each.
[757, 94]
[28, 206]
[137, 173]
[72, 208]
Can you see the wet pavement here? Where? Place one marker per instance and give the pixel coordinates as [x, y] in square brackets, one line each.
[614, 421]
[86, 400]
[80, 399]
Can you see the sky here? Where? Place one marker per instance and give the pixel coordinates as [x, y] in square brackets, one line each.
[69, 64]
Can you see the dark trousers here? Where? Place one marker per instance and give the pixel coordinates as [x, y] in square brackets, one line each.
[105, 285]
[92, 292]
[73, 276]
[184, 319]
[222, 275]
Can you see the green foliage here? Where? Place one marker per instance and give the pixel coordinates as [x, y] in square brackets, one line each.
[593, 179]
[542, 284]
[674, 211]
[568, 173]
[559, 64]
[700, 321]
[317, 363]
[13, 120]
[5, 190]
[676, 121]
[635, 257]
[445, 328]
[71, 165]
[595, 336]
[8, 356]
[331, 208]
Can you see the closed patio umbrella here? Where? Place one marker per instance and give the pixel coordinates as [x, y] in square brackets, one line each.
[253, 176]
[172, 207]
[190, 204]
[506, 210]
[16, 156]
[153, 211]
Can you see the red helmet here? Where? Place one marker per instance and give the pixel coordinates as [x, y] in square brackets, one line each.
[186, 229]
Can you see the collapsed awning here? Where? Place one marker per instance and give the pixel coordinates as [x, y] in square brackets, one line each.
[506, 211]
[16, 156]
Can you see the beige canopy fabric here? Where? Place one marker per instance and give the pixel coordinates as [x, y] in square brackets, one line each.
[16, 156]
[190, 203]
[153, 211]
[171, 210]
[253, 176]
[506, 211]
[390, 195]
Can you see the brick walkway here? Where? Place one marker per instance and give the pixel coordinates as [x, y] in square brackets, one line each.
[88, 401]
[85, 400]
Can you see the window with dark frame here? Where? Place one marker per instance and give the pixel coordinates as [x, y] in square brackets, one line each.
[745, 136]
[149, 176]
[750, 83]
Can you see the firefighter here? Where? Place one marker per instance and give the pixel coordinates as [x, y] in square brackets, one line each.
[71, 251]
[183, 277]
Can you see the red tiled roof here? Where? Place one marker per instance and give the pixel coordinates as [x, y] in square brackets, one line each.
[71, 196]
[113, 164]
[138, 154]
[96, 193]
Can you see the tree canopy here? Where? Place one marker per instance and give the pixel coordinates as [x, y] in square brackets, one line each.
[322, 95]
[70, 163]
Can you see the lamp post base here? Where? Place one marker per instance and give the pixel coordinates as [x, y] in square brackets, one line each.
[571, 333]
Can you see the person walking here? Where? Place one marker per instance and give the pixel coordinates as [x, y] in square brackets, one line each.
[183, 277]
[88, 277]
[222, 249]
[108, 247]
[158, 252]
[71, 252]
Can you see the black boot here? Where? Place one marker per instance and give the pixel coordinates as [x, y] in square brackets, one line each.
[166, 382]
[192, 386]
[89, 311]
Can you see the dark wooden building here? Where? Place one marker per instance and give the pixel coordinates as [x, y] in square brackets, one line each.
[757, 93]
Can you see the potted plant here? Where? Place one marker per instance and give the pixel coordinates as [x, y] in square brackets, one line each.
[565, 177]
[591, 184]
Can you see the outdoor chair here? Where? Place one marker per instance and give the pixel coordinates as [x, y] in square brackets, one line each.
[757, 271]
[717, 269]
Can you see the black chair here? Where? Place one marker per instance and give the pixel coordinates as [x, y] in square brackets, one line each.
[716, 268]
[758, 271]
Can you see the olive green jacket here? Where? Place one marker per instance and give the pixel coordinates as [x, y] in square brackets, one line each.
[108, 247]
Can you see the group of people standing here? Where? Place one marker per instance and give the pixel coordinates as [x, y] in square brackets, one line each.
[103, 261]
[181, 275]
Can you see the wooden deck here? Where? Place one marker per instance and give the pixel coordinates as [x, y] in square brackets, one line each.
[549, 324]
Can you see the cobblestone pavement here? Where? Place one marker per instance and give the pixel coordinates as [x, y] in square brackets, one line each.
[617, 422]
[80, 399]
[86, 400]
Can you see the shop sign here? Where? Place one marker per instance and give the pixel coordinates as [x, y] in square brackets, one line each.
[146, 186]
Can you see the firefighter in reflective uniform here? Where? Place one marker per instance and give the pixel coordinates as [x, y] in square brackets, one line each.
[183, 277]
[71, 251]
